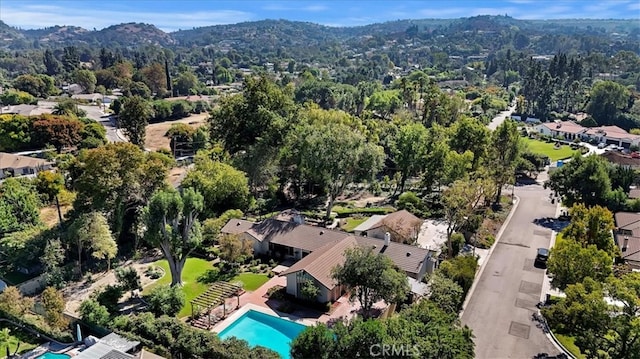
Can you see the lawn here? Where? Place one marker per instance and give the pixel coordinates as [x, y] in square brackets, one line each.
[546, 148]
[193, 269]
[568, 343]
[251, 281]
[353, 222]
[14, 337]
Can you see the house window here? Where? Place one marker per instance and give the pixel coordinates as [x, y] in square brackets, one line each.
[625, 232]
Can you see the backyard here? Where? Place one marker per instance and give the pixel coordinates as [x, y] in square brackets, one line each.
[549, 149]
[194, 278]
[11, 337]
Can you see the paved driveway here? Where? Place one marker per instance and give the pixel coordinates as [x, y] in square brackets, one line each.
[500, 307]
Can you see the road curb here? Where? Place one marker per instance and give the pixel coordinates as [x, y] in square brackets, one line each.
[486, 260]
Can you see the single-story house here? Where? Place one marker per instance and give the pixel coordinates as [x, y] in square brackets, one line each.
[414, 261]
[627, 237]
[403, 226]
[318, 250]
[570, 130]
[12, 165]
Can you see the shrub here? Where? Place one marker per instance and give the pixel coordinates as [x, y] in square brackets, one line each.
[128, 278]
[93, 312]
[210, 276]
[109, 297]
[275, 293]
[287, 307]
[166, 300]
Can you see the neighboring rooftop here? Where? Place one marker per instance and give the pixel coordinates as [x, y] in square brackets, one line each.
[9, 160]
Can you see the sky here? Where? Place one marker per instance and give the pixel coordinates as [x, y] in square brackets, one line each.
[172, 15]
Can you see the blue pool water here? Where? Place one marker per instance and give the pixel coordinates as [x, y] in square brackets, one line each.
[265, 330]
[48, 355]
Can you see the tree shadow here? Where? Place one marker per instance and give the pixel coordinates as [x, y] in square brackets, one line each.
[554, 224]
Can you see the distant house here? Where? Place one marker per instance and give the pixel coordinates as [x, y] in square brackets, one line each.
[403, 226]
[570, 130]
[12, 165]
[621, 159]
[318, 250]
[627, 237]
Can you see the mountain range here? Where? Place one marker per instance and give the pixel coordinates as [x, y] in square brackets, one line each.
[284, 32]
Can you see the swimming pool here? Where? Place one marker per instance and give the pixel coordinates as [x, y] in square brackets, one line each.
[49, 355]
[265, 330]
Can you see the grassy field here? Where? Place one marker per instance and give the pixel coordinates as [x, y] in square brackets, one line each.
[10, 336]
[251, 281]
[352, 223]
[193, 269]
[568, 343]
[546, 148]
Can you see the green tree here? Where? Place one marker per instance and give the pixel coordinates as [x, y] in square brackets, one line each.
[52, 259]
[607, 100]
[233, 249]
[409, 150]
[583, 313]
[91, 230]
[592, 225]
[49, 184]
[172, 225]
[461, 269]
[54, 304]
[445, 293]
[117, 179]
[211, 227]
[333, 156]
[94, 313]
[86, 79]
[19, 205]
[128, 279]
[370, 277]
[469, 134]
[460, 202]
[51, 63]
[222, 186]
[582, 180]
[263, 112]
[570, 263]
[68, 108]
[164, 300]
[186, 83]
[623, 340]
[504, 155]
[309, 290]
[14, 304]
[134, 118]
[316, 341]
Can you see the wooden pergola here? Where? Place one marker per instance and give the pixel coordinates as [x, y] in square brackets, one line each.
[214, 296]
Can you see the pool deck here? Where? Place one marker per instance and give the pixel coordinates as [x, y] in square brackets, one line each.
[258, 301]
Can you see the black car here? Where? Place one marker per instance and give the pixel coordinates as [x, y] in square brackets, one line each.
[541, 257]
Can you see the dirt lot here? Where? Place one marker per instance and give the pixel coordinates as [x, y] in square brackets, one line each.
[155, 132]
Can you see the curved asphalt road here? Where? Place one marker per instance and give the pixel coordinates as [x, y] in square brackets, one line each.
[500, 306]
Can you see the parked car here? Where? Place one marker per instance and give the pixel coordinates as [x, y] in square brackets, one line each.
[601, 145]
[541, 258]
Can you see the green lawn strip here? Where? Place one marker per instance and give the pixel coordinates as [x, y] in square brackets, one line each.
[352, 223]
[568, 342]
[251, 281]
[27, 341]
[193, 269]
[548, 148]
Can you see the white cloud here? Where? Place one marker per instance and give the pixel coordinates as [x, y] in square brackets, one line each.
[293, 7]
[38, 16]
